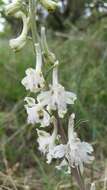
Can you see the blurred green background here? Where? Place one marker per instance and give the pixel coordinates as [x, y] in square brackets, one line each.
[77, 34]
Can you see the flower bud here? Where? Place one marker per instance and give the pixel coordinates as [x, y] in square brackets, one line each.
[48, 55]
[38, 58]
[18, 43]
[12, 8]
[49, 5]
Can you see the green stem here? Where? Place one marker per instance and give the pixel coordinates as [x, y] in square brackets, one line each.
[32, 6]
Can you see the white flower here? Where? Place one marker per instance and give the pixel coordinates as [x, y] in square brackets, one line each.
[36, 113]
[56, 98]
[47, 142]
[34, 80]
[18, 43]
[76, 152]
[50, 5]
[43, 141]
[13, 7]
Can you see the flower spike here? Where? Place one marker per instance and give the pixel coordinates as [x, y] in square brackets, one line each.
[51, 100]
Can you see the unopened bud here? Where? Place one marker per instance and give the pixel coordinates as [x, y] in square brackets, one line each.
[12, 8]
[18, 43]
[49, 5]
[49, 56]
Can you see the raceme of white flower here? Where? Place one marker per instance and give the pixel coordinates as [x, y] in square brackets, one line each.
[34, 80]
[75, 152]
[56, 98]
[18, 43]
[13, 7]
[50, 5]
[36, 113]
[47, 142]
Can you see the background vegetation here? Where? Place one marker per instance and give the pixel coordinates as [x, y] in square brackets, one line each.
[80, 44]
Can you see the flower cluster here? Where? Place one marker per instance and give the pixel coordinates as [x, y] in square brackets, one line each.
[52, 100]
[48, 103]
[75, 153]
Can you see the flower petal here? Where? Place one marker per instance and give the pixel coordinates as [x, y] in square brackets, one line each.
[70, 97]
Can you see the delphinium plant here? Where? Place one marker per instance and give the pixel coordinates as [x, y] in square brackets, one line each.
[49, 102]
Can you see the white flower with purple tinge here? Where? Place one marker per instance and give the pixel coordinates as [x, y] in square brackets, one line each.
[56, 98]
[34, 80]
[36, 113]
